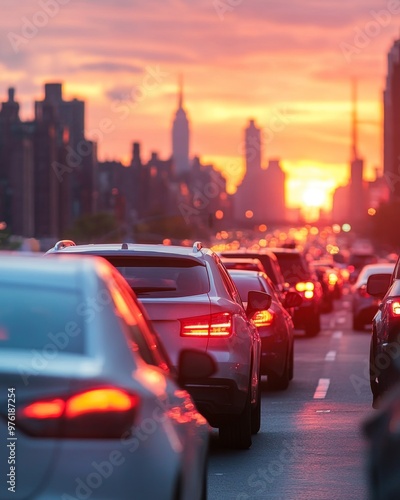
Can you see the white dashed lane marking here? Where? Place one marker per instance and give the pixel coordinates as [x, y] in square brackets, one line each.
[330, 356]
[322, 388]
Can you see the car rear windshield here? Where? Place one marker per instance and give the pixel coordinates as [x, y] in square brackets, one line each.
[163, 277]
[41, 320]
[293, 267]
[244, 286]
[266, 261]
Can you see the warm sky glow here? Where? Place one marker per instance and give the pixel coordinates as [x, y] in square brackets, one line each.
[288, 64]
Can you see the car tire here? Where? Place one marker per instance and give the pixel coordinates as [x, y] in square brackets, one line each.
[256, 411]
[375, 389]
[237, 433]
[291, 363]
[204, 486]
[279, 382]
[313, 326]
[178, 489]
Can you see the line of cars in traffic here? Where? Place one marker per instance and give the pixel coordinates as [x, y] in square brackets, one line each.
[122, 356]
[377, 298]
[90, 405]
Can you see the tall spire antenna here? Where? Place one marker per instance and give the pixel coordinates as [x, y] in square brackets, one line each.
[354, 120]
[180, 95]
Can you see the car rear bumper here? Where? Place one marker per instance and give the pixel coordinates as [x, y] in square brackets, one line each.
[219, 400]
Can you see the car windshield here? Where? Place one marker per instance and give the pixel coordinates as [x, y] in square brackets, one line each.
[161, 277]
[40, 320]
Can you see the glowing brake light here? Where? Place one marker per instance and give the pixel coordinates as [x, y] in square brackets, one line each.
[263, 318]
[305, 286]
[45, 409]
[395, 308]
[99, 400]
[213, 325]
[332, 278]
[101, 413]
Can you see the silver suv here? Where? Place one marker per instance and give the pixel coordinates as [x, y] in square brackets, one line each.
[193, 303]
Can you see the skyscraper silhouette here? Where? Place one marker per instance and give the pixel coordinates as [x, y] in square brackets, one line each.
[261, 196]
[357, 186]
[180, 137]
[391, 103]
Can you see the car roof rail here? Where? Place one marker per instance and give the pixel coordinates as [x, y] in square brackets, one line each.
[64, 244]
[197, 246]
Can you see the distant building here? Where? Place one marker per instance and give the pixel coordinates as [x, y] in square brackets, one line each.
[378, 191]
[391, 104]
[80, 154]
[260, 198]
[180, 138]
[275, 179]
[47, 167]
[341, 205]
[16, 170]
[358, 187]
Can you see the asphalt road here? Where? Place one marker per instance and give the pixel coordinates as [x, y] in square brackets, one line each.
[310, 446]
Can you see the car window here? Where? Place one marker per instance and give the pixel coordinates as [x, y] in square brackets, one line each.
[135, 324]
[270, 288]
[41, 319]
[245, 285]
[229, 284]
[163, 277]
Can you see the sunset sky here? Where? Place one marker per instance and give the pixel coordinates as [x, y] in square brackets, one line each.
[288, 64]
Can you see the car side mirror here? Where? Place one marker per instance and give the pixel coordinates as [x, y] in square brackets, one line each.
[194, 364]
[378, 284]
[257, 301]
[292, 299]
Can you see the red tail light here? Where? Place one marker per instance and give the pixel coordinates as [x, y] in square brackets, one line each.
[395, 308]
[99, 400]
[44, 409]
[94, 414]
[213, 325]
[332, 278]
[263, 318]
